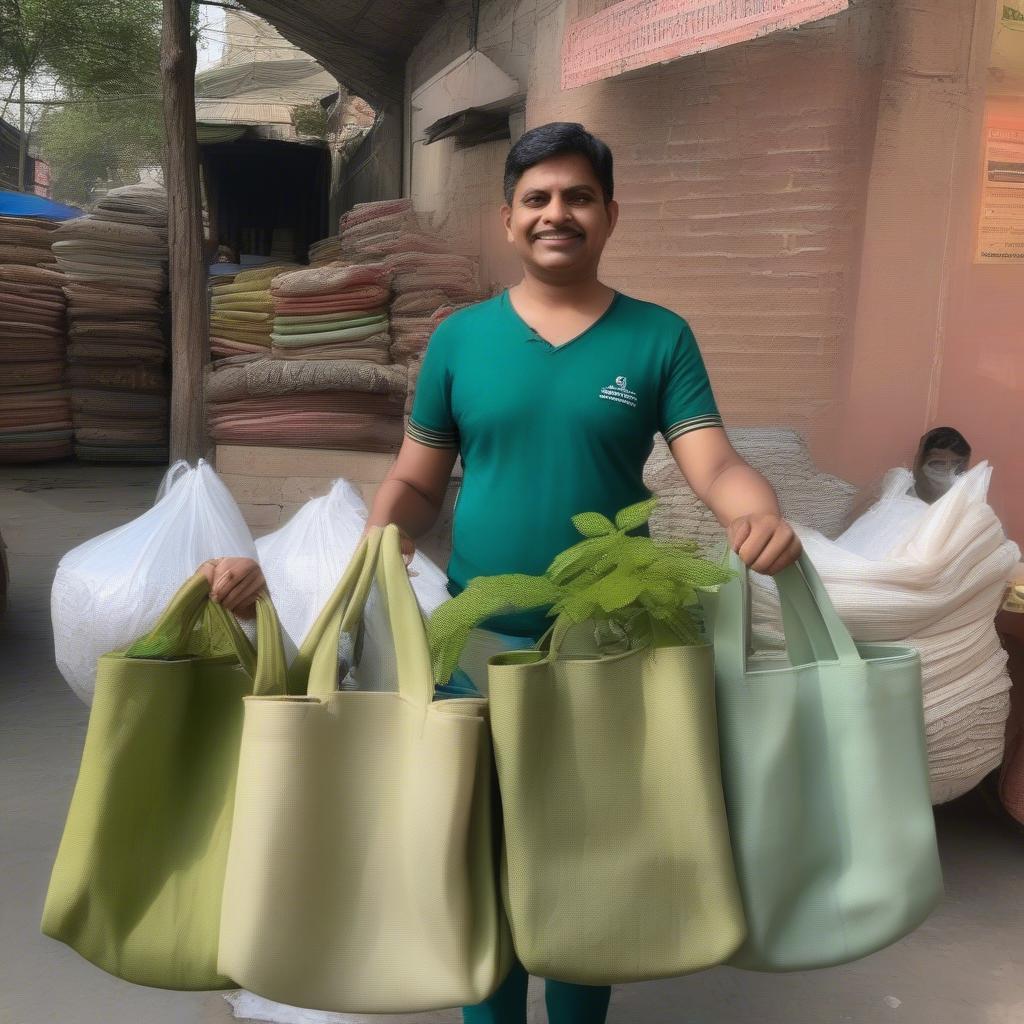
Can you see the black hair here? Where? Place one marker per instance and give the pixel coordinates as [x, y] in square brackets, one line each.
[550, 140]
[948, 438]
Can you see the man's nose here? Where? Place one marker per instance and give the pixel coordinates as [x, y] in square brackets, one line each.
[557, 211]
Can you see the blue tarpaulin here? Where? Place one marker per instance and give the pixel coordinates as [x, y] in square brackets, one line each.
[27, 204]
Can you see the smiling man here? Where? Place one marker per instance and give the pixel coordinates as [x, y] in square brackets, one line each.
[552, 393]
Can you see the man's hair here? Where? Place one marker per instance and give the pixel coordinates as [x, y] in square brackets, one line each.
[945, 437]
[553, 139]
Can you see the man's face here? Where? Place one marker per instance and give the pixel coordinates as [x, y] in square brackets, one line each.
[935, 472]
[558, 221]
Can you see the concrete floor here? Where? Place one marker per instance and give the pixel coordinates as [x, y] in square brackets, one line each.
[964, 966]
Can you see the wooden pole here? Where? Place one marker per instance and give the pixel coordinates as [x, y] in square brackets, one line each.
[187, 277]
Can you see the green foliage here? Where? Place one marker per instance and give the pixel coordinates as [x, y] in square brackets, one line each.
[624, 584]
[104, 59]
[310, 119]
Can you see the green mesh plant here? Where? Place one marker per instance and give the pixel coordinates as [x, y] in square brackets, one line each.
[623, 584]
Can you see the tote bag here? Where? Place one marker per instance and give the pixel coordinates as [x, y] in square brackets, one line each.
[362, 871]
[826, 781]
[137, 881]
[617, 865]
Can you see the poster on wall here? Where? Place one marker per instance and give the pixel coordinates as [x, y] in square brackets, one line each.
[1001, 222]
[634, 34]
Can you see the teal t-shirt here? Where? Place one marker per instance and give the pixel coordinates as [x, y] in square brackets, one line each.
[546, 432]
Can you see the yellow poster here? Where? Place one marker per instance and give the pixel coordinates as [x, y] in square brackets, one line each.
[1001, 224]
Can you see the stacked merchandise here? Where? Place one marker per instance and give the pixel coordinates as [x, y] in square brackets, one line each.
[425, 275]
[327, 250]
[242, 311]
[26, 241]
[114, 261]
[35, 409]
[332, 312]
[340, 403]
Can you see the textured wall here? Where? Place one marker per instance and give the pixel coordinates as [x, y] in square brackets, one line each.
[741, 174]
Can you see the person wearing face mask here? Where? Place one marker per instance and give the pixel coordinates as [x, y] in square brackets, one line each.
[942, 455]
[552, 393]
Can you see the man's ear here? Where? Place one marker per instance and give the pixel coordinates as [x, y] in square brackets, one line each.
[506, 219]
[612, 209]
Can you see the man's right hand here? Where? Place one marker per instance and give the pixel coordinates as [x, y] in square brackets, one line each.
[234, 583]
[408, 545]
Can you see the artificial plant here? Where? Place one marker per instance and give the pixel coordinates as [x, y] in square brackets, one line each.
[621, 583]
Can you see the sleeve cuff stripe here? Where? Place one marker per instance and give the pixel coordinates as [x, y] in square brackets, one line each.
[694, 423]
[432, 438]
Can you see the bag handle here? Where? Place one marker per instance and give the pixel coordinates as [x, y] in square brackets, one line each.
[813, 630]
[380, 557]
[315, 668]
[172, 633]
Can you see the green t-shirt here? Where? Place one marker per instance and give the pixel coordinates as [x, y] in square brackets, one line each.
[546, 432]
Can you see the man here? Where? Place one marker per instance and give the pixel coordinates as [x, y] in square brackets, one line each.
[942, 455]
[552, 393]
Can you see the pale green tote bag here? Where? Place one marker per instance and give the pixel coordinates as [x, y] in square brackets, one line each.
[617, 865]
[362, 876]
[826, 781]
[136, 885]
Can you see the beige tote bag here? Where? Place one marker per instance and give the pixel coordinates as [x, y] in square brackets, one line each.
[361, 874]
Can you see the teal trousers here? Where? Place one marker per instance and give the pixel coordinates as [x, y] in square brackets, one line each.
[566, 1003]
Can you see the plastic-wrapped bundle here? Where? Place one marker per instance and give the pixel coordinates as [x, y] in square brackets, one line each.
[305, 559]
[111, 589]
[937, 589]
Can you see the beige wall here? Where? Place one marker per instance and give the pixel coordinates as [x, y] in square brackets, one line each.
[796, 198]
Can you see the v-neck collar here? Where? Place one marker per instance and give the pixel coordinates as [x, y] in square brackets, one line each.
[532, 334]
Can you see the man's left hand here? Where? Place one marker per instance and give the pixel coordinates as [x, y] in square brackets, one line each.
[766, 543]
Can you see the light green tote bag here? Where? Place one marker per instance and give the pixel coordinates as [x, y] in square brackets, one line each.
[617, 864]
[362, 876]
[137, 881]
[826, 781]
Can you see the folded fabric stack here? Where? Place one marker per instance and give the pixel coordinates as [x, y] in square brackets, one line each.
[424, 283]
[336, 311]
[327, 250]
[337, 403]
[35, 407]
[26, 241]
[242, 311]
[365, 231]
[114, 261]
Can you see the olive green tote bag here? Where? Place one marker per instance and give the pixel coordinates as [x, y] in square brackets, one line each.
[362, 875]
[826, 781]
[136, 886]
[617, 865]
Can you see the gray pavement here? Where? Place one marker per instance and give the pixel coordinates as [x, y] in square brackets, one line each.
[964, 966]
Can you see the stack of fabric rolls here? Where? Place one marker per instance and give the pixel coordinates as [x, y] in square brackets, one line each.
[114, 261]
[327, 250]
[242, 311]
[425, 274]
[344, 403]
[365, 231]
[332, 312]
[25, 241]
[35, 405]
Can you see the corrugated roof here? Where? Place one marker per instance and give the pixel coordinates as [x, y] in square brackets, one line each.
[363, 43]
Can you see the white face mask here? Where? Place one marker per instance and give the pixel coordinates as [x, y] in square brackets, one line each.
[944, 477]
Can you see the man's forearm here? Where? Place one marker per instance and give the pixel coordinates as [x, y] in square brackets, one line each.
[739, 490]
[400, 503]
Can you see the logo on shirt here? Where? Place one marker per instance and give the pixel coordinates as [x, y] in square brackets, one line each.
[619, 392]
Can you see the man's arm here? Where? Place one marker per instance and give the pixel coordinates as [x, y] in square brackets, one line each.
[741, 498]
[412, 494]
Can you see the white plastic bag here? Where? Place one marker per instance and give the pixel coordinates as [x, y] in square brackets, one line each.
[891, 521]
[111, 589]
[932, 578]
[305, 559]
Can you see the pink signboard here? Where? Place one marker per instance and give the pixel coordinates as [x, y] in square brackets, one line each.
[637, 33]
